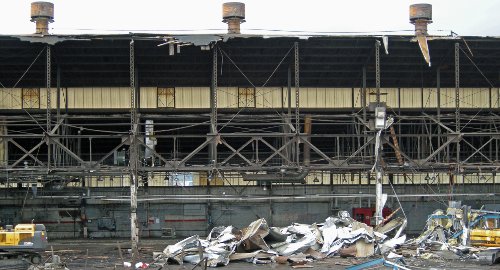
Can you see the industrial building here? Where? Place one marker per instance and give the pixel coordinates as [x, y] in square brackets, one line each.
[189, 132]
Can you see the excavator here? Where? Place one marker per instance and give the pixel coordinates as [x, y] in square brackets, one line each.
[24, 241]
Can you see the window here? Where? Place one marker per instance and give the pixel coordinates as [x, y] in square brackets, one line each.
[165, 97]
[246, 97]
[31, 98]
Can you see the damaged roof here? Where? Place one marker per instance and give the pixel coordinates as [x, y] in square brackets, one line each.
[325, 61]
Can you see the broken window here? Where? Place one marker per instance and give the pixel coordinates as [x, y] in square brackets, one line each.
[246, 97]
[31, 98]
[165, 97]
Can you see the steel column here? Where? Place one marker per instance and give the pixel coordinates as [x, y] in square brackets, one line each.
[134, 159]
[213, 109]
[377, 71]
[457, 100]
[297, 101]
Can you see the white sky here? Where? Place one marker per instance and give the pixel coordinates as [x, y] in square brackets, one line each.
[465, 17]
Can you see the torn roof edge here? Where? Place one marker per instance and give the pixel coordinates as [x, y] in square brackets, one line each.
[203, 39]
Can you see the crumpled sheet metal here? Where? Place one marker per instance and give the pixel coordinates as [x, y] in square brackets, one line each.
[258, 243]
[177, 251]
[390, 226]
[346, 237]
[390, 244]
[298, 245]
[253, 236]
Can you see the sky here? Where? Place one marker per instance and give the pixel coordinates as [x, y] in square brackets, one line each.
[464, 17]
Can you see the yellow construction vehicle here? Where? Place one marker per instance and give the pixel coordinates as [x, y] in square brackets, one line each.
[23, 241]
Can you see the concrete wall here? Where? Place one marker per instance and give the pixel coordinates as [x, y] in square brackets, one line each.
[67, 212]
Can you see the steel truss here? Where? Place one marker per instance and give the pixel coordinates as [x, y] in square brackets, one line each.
[420, 145]
[418, 142]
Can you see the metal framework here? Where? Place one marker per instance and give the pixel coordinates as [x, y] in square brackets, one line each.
[424, 141]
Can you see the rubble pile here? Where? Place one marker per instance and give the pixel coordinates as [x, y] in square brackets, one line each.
[459, 233]
[296, 244]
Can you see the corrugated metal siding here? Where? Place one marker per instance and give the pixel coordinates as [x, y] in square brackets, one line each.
[227, 97]
[474, 98]
[98, 97]
[411, 97]
[10, 98]
[358, 92]
[192, 97]
[336, 98]
[268, 97]
[387, 95]
[447, 97]
[148, 97]
[495, 98]
[43, 98]
[430, 97]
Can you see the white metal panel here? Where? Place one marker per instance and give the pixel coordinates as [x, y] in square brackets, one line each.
[143, 97]
[10, 98]
[474, 98]
[358, 92]
[268, 97]
[43, 98]
[387, 95]
[114, 95]
[307, 97]
[227, 97]
[192, 97]
[447, 97]
[430, 98]
[411, 98]
[392, 98]
[339, 97]
[64, 98]
[124, 98]
[495, 97]
[285, 97]
[105, 98]
[321, 97]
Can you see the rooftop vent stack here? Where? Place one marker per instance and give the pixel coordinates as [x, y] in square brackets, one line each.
[421, 16]
[42, 13]
[233, 13]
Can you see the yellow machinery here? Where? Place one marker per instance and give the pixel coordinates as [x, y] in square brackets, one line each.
[487, 231]
[485, 238]
[23, 241]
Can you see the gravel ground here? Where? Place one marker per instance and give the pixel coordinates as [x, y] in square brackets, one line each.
[104, 254]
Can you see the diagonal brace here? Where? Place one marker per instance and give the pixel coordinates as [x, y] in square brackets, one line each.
[27, 153]
[276, 151]
[478, 150]
[358, 151]
[237, 152]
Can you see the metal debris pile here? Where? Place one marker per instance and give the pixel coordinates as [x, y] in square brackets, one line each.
[54, 264]
[459, 233]
[296, 244]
